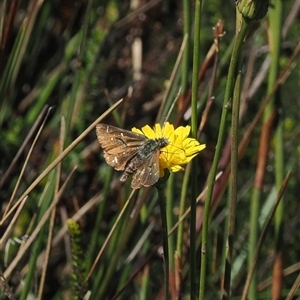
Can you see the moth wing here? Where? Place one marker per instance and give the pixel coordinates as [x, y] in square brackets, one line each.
[119, 161]
[148, 173]
[119, 145]
[111, 137]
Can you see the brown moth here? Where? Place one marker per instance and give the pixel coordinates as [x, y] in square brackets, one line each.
[131, 152]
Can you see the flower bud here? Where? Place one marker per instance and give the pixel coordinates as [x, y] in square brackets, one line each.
[253, 9]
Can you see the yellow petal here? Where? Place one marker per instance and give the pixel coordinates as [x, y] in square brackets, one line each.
[149, 132]
[136, 130]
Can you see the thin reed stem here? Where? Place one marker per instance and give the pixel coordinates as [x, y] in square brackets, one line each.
[232, 75]
[164, 222]
[194, 128]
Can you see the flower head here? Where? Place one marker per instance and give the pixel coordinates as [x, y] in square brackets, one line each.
[180, 149]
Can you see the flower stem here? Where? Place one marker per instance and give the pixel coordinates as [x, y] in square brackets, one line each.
[194, 127]
[163, 211]
[186, 53]
[232, 74]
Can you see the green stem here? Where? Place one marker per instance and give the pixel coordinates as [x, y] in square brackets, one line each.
[169, 215]
[162, 203]
[275, 20]
[275, 17]
[232, 74]
[182, 208]
[254, 226]
[233, 189]
[186, 52]
[194, 127]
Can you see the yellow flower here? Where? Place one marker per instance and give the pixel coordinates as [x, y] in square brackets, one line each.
[180, 149]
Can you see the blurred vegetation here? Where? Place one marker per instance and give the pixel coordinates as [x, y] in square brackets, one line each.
[62, 65]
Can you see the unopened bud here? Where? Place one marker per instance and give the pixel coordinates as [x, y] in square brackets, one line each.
[253, 9]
